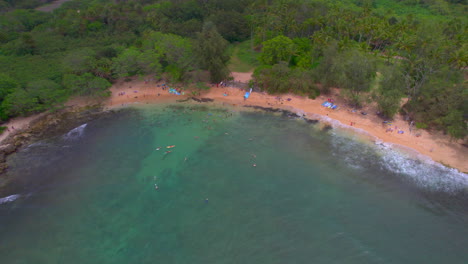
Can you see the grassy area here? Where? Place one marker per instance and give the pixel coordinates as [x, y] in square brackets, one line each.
[402, 9]
[243, 58]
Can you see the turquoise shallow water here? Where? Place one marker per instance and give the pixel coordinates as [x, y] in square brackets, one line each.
[314, 196]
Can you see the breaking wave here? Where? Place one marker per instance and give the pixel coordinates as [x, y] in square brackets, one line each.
[408, 166]
[75, 133]
[9, 198]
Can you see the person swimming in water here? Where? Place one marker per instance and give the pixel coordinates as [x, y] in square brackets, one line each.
[156, 187]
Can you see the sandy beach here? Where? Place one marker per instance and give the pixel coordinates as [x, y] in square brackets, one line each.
[434, 145]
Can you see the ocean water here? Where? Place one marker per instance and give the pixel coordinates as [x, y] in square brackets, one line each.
[313, 196]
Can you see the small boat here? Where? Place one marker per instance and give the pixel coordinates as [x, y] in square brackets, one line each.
[171, 146]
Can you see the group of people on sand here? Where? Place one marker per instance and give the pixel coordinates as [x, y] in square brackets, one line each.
[399, 131]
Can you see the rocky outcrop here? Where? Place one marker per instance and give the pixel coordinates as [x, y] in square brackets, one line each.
[50, 125]
[202, 100]
[285, 113]
[7, 149]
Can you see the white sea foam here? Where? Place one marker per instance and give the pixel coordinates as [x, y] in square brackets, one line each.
[424, 172]
[75, 133]
[405, 163]
[402, 161]
[9, 199]
[40, 144]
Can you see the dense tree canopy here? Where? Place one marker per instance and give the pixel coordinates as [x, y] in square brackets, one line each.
[386, 50]
[277, 49]
[210, 47]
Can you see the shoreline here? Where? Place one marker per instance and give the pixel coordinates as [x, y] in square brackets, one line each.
[437, 147]
[433, 146]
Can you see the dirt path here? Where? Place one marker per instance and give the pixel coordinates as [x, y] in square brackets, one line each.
[51, 6]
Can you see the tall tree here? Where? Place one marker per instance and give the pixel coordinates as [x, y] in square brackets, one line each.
[277, 49]
[359, 70]
[175, 52]
[7, 85]
[390, 90]
[210, 47]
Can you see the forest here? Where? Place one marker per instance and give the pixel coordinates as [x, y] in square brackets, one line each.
[406, 56]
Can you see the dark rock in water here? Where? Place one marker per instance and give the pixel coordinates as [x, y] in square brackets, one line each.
[327, 128]
[267, 109]
[287, 113]
[202, 100]
[311, 121]
[183, 100]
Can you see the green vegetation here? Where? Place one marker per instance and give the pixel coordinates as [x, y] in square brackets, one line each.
[11, 4]
[211, 50]
[419, 47]
[242, 57]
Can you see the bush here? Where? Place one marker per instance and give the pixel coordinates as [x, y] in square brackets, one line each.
[202, 86]
[420, 125]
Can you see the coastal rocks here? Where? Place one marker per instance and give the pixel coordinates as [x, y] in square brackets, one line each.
[50, 125]
[266, 109]
[202, 100]
[311, 121]
[18, 140]
[7, 149]
[285, 113]
[327, 128]
[183, 100]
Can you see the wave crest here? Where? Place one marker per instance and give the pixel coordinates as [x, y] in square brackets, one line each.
[75, 133]
[411, 167]
[9, 199]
